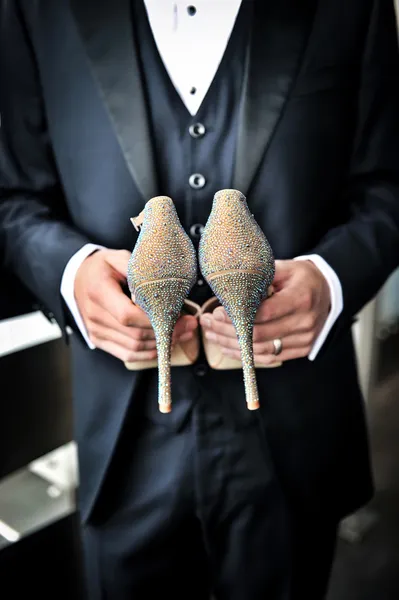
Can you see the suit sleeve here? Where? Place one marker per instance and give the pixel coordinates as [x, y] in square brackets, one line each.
[365, 250]
[36, 233]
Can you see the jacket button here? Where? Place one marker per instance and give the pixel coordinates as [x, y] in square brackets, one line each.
[197, 181]
[196, 230]
[197, 130]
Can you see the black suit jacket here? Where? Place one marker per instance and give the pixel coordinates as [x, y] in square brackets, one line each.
[317, 155]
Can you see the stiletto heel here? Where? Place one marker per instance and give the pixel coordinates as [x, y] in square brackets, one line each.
[237, 262]
[161, 273]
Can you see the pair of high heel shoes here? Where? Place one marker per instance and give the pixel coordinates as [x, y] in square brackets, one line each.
[235, 259]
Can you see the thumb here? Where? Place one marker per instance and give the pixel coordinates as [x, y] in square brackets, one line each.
[118, 260]
[284, 269]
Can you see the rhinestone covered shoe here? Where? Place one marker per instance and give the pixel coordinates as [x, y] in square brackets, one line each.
[161, 273]
[237, 262]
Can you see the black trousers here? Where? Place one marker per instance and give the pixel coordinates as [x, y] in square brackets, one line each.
[199, 512]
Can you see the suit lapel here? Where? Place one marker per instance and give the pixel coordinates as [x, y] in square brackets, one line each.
[106, 30]
[280, 29]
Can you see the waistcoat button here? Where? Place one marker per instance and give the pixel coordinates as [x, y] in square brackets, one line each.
[197, 181]
[197, 130]
[196, 230]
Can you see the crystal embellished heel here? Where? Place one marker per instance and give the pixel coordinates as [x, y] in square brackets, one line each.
[237, 262]
[161, 272]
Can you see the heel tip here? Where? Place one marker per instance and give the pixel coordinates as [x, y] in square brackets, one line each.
[253, 405]
[165, 408]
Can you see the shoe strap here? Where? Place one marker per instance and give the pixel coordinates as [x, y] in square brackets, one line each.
[138, 221]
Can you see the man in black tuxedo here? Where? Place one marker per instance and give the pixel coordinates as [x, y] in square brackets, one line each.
[106, 103]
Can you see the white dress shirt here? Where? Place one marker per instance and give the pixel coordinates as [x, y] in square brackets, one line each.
[191, 40]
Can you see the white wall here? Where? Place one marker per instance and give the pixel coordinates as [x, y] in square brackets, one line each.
[26, 331]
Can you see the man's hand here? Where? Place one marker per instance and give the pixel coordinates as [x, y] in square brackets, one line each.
[295, 314]
[113, 322]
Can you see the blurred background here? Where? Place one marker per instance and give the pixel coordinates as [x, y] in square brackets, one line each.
[39, 540]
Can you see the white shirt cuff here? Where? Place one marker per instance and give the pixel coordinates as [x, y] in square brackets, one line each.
[336, 297]
[68, 287]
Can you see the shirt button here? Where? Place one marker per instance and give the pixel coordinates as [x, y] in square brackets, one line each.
[196, 230]
[197, 181]
[197, 130]
[191, 10]
[200, 282]
[200, 370]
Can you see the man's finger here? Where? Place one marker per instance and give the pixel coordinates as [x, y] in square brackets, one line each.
[112, 299]
[185, 337]
[283, 272]
[185, 324]
[290, 342]
[264, 330]
[222, 340]
[126, 355]
[99, 317]
[100, 334]
[208, 322]
[264, 346]
[118, 259]
[287, 326]
[270, 359]
[263, 359]
[281, 304]
[288, 354]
